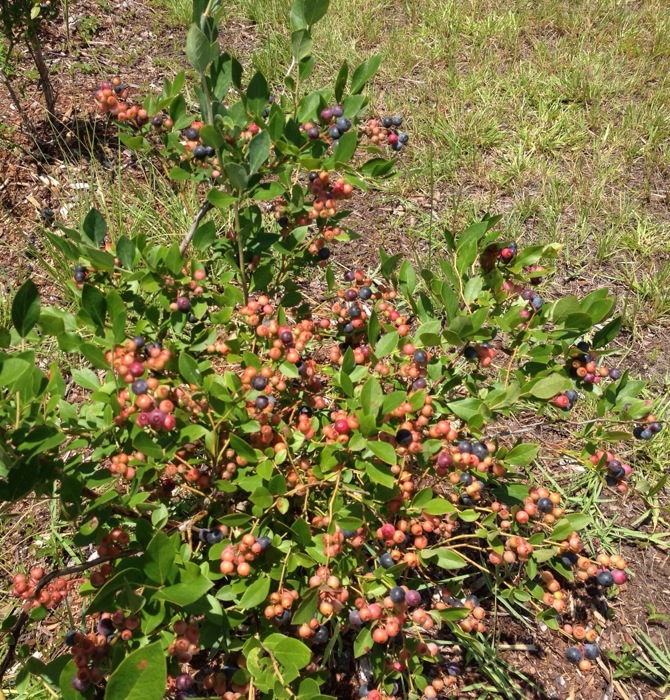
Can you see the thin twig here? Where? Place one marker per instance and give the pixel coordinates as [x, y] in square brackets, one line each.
[24, 616]
[194, 226]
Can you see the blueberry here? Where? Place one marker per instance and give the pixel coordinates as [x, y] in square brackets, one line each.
[569, 559]
[71, 637]
[326, 114]
[262, 403]
[105, 627]
[419, 383]
[259, 382]
[313, 176]
[584, 346]
[591, 651]
[214, 536]
[343, 124]
[321, 635]
[536, 302]
[337, 110]
[363, 691]
[614, 373]
[47, 214]
[655, 427]
[355, 312]
[334, 133]
[396, 120]
[200, 152]
[470, 353]
[335, 143]
[444, 460]
[572, 395]
[386, 560]
[365, 293]
[351, 294]
[79, 277]
[286, 337]
[183, 304]
[466, 478]
[420, 357]
[454, 669]
[209, 151]
[79, 685]
[284, 618]
[480, 450]
[403, 137]
[313, 133]
[387, 122]
[348, 534]
[413, 598]
[157, 120]
[305, 410]
[573, 655]
[202, 534]
[139, 341]
[544, 505]
[464, 446]
[646, 434]
[191, 134]
[347, 329]
[355, 618]
[605, 578]
[324, 253]
[527, 294]
[139, 386]
[397, 594]
[404, 437]
[183, 681]
[397, 146]
[264, 542]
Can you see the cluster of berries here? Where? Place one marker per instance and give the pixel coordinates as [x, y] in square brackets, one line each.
[386, 130]
[237, 558]
[584, 364]
[482, 353]
[565, 400]
[110, 99]
[326, 194]
[617, 469]
[50, 595]
[648, 428]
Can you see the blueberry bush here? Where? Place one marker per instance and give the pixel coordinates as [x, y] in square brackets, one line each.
[298, 482]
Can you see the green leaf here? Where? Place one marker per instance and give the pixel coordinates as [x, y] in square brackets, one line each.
[188, 368]
[187, 592]
[372, 396]
[159, 557]
[363, 642]
[258, 93]
[384, 450]
[439, 506]
[386, 344]
[257, 592]
[301, 44]
[522, 455]
[307, 607]
[547, 387]
[445, 558]
[314, 10]
[94, 227]
[198, 49]
[237, 175]
[26, 308]
[125, 252]
[221, 200]
[93, 302]
[346, 147]
[380, 475]
[363, 73]
[243, 449]
[289, 652]
[142, 675]
[259, 150]
[569, 524]
[341, 81]
[607, 333]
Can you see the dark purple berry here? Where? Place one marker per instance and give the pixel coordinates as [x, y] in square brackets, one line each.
[413, 598]
[605, 578]
[420, 357]
[404, 437]
[191, 134]
[573, 655]
[259, 382]
[183, 304]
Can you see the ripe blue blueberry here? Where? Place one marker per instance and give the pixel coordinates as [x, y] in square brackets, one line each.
[343, 124]
[544, 505]
[139, 386]
[591, 651]
[262, 402]
[404, 437]
[337, 111]
[397, 594]
[200, 152]
[403, 137]
[313, 133]
[536, 302]
[355, 618]
[387, 122]
[191, 134]
[214, 536]
[365, 293]
[71, 637]
[480, 450]
[386, 560]
[321, 635]
[464, 446]
[420, 357]
[334, 132]
[605, 579]
[396, 120]
[614, 373]
[259, 382]
[324, 253]
[573, 655]
[264, 542]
